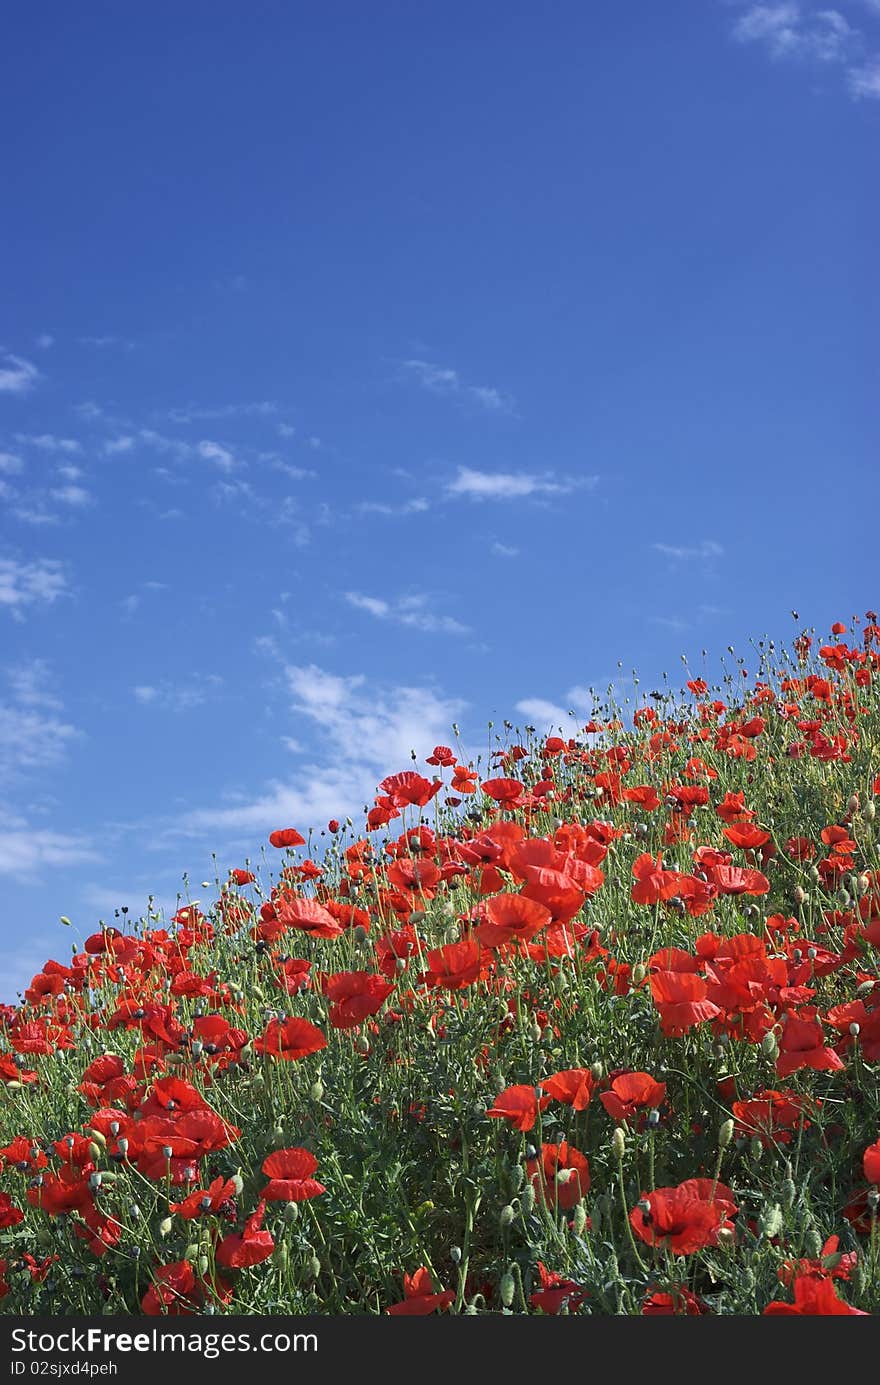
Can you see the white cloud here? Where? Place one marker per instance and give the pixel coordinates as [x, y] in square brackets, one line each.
[176, 697]
[45, 340]
[417, 506]
[443, 380]
[192, 413]
[368, 732]
[32, 734]
[69, 472]
[114, 446]
[513, 485]
[410, 611]
[31, 685]
[24, 853]
[504, 550]
[10, 465]
[706, 548]
[17, 375]
[787, 31]
[28, 584]
[48, 442]
[543, 713]
[286, 430]
[864, 82]
[77, 497]
[214, 452]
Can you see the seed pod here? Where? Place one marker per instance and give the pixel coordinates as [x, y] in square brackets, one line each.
[455, 1254]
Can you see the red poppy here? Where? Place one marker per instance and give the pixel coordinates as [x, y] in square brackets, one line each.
[286, 836]
[10, 1215]
[511, 917]
[677, 1302]
[354, 995]
[653, 883]
[456, 965]
[632, 1094]
[802, 1045]
[685, 1218]
[252, 1246]
[177, 1292]
[290, 1039]
[555, 1292]
[506, 792]
[410, 788]
[420, 1297]
[770, 1116]
[560, 1176]
[308, 916]
[573, 1087]
[290, 1176]
[203, 1200]
[871, 1163]
[519, 1105]
[813, 1297]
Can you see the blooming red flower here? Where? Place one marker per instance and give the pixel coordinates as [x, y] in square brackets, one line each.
[456, 965]
[685, 1218]
[420, 1296]
[573, 1087]
[290, 1039]
[308, 916]
[290, 1176]
[871, 1163]
[10, 1215]
[239, 1251]
[410, 788]
[286, 836]
[354, 995]
[512, 917]
[177, 1292]
[519, 1105]
[560, 1176]
[555, 1292]
[203, 1200]
[802, 1045]
[632, 1094]
[813, 1297]
[677, 1302]
[771, 1116]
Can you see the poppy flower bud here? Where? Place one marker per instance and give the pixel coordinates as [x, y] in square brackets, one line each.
[94, 1152]
[204, 1265]
[861, 885]
[726, 1236]
[316, 1091]
[313, 1266]
[529, 1197]
[362, 1044]
[799, 895]
[770, 1222]
[291, 1211]
[507, 1289]
[852, 805]
[506, 1216]
[360, 934]
[579, 1220]
[873, 1201]
[788, 1192]
[278, 1135]
[756, 1148]
[191, 1253]
[812, 1243]
[165, 1226]
[855, 1029]
[843, 898]
[770, 1045]
[813, 875]
[638, 974]
[134, 1212]
[869, 812]
[597, 1071]
[725, 1134]
[618, 1144]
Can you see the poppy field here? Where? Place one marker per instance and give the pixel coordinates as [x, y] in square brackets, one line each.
[584, 1025]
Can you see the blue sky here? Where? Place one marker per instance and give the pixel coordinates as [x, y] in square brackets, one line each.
[370, 368]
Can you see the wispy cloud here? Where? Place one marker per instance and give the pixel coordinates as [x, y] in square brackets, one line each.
[10, 464]
[219, 455]
[417, 506]
[788, 30]
[446, 381]
[32, 736]
[77, 497]
[864, 82]
[168, 696]
[17, 375]
[194, 413]
[104, 343]
[49, 442]
[113, 447]
[44, 341]
[706, 548]
[513, 485]
[365, 731]
[25, 851]
[504, 550]
[23, 585]
[411, 611]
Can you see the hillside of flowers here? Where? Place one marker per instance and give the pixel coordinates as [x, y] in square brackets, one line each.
[585, 1025]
